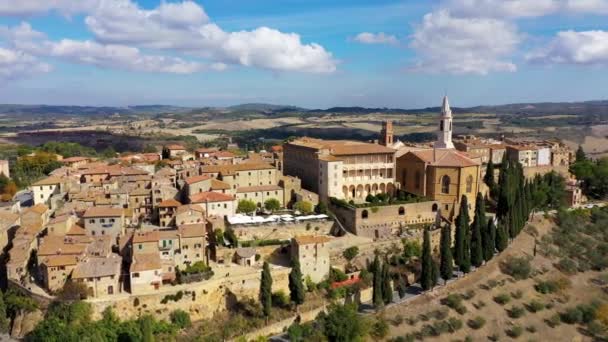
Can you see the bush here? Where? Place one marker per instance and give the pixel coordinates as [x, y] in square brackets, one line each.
[531, 329]
[582, 313]
[516, 312]
[567, 265]
[453, 300]
[515, 331]
[461, 309]
[280, 299]
[517, 267]
[181, 319]
[455, 324]
[502, 298]
[476, 323]
[379, 328]
[397, 320]
[304, 207]
[553, 321]
[517, 294]
[440, 314]
[546, 287]
[468, 295]
[535, 306]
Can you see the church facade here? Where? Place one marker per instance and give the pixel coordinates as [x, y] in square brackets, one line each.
[441, 173]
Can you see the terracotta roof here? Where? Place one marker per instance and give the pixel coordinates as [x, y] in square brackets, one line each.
[98, 267]
[342, 147]
[74, 159]
[310, 239]
[142, 237]
[39, 209]
[206, 150]
[223, 154]
[217, 184]
[76, 230]
[444, 157]
[169, 203]
[244, 189]
[245, 253]
[8, 218]
[48, 181]
[103, 212]
[190, 207]
[196, 179]
[232, 168]
[175, 147]
[146, 262]
[56, 245]
[210, 196]
[60, 260]
[192, 230]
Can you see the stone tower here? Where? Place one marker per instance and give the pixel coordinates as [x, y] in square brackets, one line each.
[444, 134]
[386, 134]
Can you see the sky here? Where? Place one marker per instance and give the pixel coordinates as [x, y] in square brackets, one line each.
[309, 53]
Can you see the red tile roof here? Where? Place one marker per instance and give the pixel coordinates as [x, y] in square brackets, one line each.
[210, 196]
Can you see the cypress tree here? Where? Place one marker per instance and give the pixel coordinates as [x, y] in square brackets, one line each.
[462, 227]
[502, 238]
[489, 178]
[426, 275]
[387, 289]
[580, 154]
[434, 273]
[4, 321]
[147, 330]
[489, 240]
[447, 262]
[479, 225]
[266, 289]
[465, 266]
[296, 287]
[377, 295]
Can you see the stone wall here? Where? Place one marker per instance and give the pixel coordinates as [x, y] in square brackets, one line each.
[385, 221]
[201, 300]
[282, 231]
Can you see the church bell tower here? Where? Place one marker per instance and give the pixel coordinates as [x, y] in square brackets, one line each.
[386, 134]
[444, 134]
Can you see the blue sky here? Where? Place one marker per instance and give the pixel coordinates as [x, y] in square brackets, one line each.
[310, 53]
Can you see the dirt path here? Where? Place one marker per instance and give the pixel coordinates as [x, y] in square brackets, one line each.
[482, 304]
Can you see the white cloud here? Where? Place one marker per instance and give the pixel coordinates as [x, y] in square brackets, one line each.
[185, 27]
[445, 43]
[24, 38]
[33, 7]
[16, 64]
[502, 8]
[376, 38]
[571, 47]
[524, 8]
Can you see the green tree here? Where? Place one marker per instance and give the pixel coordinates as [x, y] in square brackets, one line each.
[321, 208]
[377, 289]
[181, 319]
[580, 154]
[479, 224]
[411, 249]
[147, 328]
[462, 228]
[489, 240]
[387, 289]
[296, 286]
[4, 321]
[246, 206]
[426, 273]
[304, 207]
[502, 238]
[350, 253]
[231, 238]
[272, 204]
[445, 248]
[343, 324]
[489, 178]
[266, 289]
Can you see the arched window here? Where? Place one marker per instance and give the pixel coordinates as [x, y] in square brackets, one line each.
[417, 180]
[470, 183]
[434, 207]
[445, 184]
[364, 214]
[401, 211]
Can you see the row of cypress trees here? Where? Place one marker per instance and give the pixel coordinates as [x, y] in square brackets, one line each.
[296, 287]
[477, 241]
[382, 289]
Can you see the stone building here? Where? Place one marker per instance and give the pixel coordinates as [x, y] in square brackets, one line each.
[104, 221]
[312, 252]
[44, 189]
[441, 173]
[101, 276]
[340, 168]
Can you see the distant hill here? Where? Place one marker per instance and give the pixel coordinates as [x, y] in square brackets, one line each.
[252, 110]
